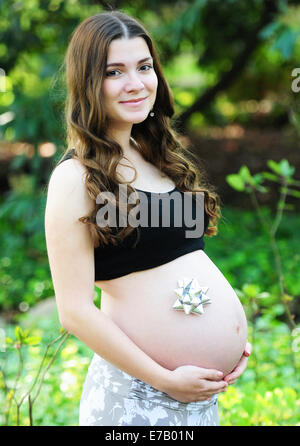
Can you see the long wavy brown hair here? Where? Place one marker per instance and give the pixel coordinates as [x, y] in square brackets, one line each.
[155, 138]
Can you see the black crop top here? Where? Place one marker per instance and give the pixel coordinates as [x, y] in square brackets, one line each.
[156, 245]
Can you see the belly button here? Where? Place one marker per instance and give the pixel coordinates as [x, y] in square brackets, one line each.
[238, 329]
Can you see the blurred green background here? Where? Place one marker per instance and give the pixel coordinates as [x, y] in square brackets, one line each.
[231, 67]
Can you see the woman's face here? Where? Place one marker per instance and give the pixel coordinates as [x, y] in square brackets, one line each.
[134, 79]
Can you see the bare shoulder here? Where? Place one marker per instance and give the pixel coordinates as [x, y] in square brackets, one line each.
[69, 171]
[67, 188]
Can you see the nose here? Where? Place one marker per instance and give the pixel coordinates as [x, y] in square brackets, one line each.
[134, 83]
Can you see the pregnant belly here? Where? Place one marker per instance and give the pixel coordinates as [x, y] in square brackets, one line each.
[141, 305]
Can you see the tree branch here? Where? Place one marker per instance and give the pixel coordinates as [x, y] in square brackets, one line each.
[270, 10]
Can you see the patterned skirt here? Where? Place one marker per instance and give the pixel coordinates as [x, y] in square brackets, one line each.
[111, 397]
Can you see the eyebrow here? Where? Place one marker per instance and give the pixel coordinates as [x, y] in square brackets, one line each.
[120, 64]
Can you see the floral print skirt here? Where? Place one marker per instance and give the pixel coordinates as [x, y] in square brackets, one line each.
[111, 397]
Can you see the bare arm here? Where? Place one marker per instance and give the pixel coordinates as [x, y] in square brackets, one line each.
[71, 258]
[104, 337]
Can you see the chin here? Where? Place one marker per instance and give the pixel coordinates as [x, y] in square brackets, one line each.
[137, 120]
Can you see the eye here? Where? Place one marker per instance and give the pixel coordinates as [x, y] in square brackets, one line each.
[108, 74]
[149, 66]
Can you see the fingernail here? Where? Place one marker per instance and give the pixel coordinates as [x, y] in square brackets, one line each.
[220, 373]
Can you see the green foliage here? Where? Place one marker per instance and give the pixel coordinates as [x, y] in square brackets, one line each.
[23, 382]
[243, 252]
[283, 175]
[255, 405]
[243, 181]
[24, 268]
[269, 390]
[267, 394]
[34, 38]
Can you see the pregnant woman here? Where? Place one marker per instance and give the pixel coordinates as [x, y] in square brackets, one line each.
[171, 333]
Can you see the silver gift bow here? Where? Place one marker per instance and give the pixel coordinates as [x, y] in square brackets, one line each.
[190, 296]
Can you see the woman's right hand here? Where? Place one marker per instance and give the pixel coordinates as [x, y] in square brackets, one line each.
[190, 383]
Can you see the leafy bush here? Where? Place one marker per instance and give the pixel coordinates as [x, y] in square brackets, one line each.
[24, 269]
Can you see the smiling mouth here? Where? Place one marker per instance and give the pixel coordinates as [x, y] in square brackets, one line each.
[133, 101]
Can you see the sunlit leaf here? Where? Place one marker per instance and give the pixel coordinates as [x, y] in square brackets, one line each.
[236, 182]
[274, 166]
[32, 340]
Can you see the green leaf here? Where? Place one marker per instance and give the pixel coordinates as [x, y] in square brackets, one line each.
[270, 176]
[19, 333]
[235, 181]
[286, 169]
[32, 340]
[263, 295]
[257, 178]
[262, 189]
[251, 289]
[274, 166]
[278, 309]
[294, 193]
[293, 182]
[283, 168]
[245, 174]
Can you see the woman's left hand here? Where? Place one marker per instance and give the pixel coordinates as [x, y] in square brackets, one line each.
[240, 367]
